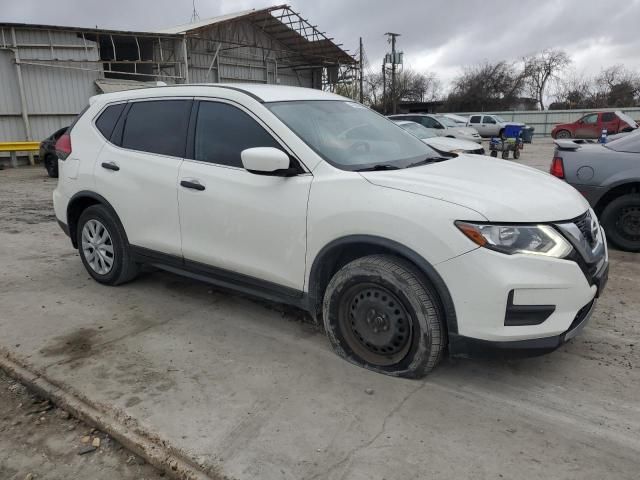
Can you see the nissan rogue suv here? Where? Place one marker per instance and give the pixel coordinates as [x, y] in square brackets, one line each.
[311, 199]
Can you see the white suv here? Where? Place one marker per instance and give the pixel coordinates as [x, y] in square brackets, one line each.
[311, 199]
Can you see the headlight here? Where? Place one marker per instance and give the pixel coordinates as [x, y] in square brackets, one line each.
[510, 239]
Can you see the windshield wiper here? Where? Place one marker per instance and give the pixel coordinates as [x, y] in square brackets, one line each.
[427, 160]
[380, 166]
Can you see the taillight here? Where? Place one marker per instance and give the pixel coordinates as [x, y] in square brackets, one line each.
[557, 167]
[63, 146]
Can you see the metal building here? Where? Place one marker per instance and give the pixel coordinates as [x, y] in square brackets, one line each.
[47, 73]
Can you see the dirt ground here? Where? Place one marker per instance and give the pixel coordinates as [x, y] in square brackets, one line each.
[40, 441]
[245, 387]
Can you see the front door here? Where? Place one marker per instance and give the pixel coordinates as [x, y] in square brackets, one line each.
[588, 127]
[138, 173]
[234, 220]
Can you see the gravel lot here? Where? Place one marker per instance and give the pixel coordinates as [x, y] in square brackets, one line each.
[248, 390]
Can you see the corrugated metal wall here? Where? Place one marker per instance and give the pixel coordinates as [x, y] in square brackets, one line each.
[544, 121]
[53, 95]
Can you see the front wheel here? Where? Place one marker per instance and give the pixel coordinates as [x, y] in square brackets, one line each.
[380, 313]
[621, 221]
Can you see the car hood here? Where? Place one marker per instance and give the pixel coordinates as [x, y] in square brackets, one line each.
[464, 130]
[499, 190]
[446, 144]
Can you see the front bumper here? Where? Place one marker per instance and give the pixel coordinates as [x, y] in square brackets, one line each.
[484, 284]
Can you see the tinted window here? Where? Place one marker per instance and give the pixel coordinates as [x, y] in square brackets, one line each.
[608, 116]
[158, 126]
[489, 120]
[475, 119]
[223, 131]
[108, 118]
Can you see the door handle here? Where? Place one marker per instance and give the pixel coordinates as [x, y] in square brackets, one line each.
[193, 184]
[110, 166]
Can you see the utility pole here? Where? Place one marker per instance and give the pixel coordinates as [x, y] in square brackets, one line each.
[393, 70]
[361, 73]
[384, 88]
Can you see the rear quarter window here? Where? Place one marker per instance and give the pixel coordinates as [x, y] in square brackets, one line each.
[107, 120]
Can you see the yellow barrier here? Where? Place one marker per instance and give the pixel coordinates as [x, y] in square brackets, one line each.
[13, 147]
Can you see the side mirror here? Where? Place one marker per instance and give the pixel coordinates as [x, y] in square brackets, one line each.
[267, 161]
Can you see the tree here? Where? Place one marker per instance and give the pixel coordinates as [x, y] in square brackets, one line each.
[486, 86]
[410, 86]
[542, 68]
[620, 86]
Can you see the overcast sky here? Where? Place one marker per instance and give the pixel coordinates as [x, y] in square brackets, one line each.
[439, 36]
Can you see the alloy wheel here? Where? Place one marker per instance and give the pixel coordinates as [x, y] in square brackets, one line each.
[97, 247]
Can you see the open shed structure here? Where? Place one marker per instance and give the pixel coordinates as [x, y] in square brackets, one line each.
[47, 72]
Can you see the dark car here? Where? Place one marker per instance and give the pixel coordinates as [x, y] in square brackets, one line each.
[592, 124]
[609, 178]
[48, 156]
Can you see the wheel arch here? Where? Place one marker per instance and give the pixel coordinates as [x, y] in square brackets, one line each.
[341, 251]
[628, 187]
[78, 204]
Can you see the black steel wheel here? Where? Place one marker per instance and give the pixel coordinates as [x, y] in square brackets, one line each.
[376, 323]
[381, 313]
[621, 221]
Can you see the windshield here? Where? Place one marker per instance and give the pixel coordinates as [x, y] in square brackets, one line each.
[350, 136]
[418, 130]
[446, 121]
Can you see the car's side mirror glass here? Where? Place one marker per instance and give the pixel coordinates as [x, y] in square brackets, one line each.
[267, 161]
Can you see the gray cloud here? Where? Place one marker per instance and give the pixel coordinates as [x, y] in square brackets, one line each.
[438, 35]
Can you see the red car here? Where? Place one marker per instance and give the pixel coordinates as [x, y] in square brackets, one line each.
[592, 124]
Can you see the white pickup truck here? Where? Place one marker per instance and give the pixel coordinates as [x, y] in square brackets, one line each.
[489, 125]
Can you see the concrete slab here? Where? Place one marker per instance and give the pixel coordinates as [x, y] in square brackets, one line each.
[249, 390]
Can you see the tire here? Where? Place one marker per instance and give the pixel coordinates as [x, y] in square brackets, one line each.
[505, 154]
[122, 268]
[516, 153]
[51, 164]
[494, 153]
[621, 221]
[563, 134]
[380, 313]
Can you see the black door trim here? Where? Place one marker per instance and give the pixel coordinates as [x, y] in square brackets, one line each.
[246, 284]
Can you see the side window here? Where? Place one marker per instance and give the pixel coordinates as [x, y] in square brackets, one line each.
[590, 119]
[428, 122]
[157, 126]
[108, 119]
[475, 119]
[608, 117]
[223, 131]
[488, 119]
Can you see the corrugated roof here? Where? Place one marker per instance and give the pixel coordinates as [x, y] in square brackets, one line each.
[187, 27]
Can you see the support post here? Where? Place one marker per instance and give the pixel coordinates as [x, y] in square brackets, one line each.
[23, 97]
[361, 73]
[186, 60]
[384, 88]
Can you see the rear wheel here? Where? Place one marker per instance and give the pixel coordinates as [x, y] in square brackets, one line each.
[381, 314]
[563, 134]
[516, 153]
[51, 165]
[621, 220]
[103, 247]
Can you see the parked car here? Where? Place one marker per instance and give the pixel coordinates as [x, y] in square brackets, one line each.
[609, 178]
[443, 125]
[47, 154]
[490, 125]
[441, 144]
[308, 198]
[592, 124]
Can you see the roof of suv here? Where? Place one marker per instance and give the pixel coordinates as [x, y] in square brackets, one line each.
[260, 92]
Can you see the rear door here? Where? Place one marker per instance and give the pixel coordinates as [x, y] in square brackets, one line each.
[137, 170]
[610, 122]
[236, 221]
